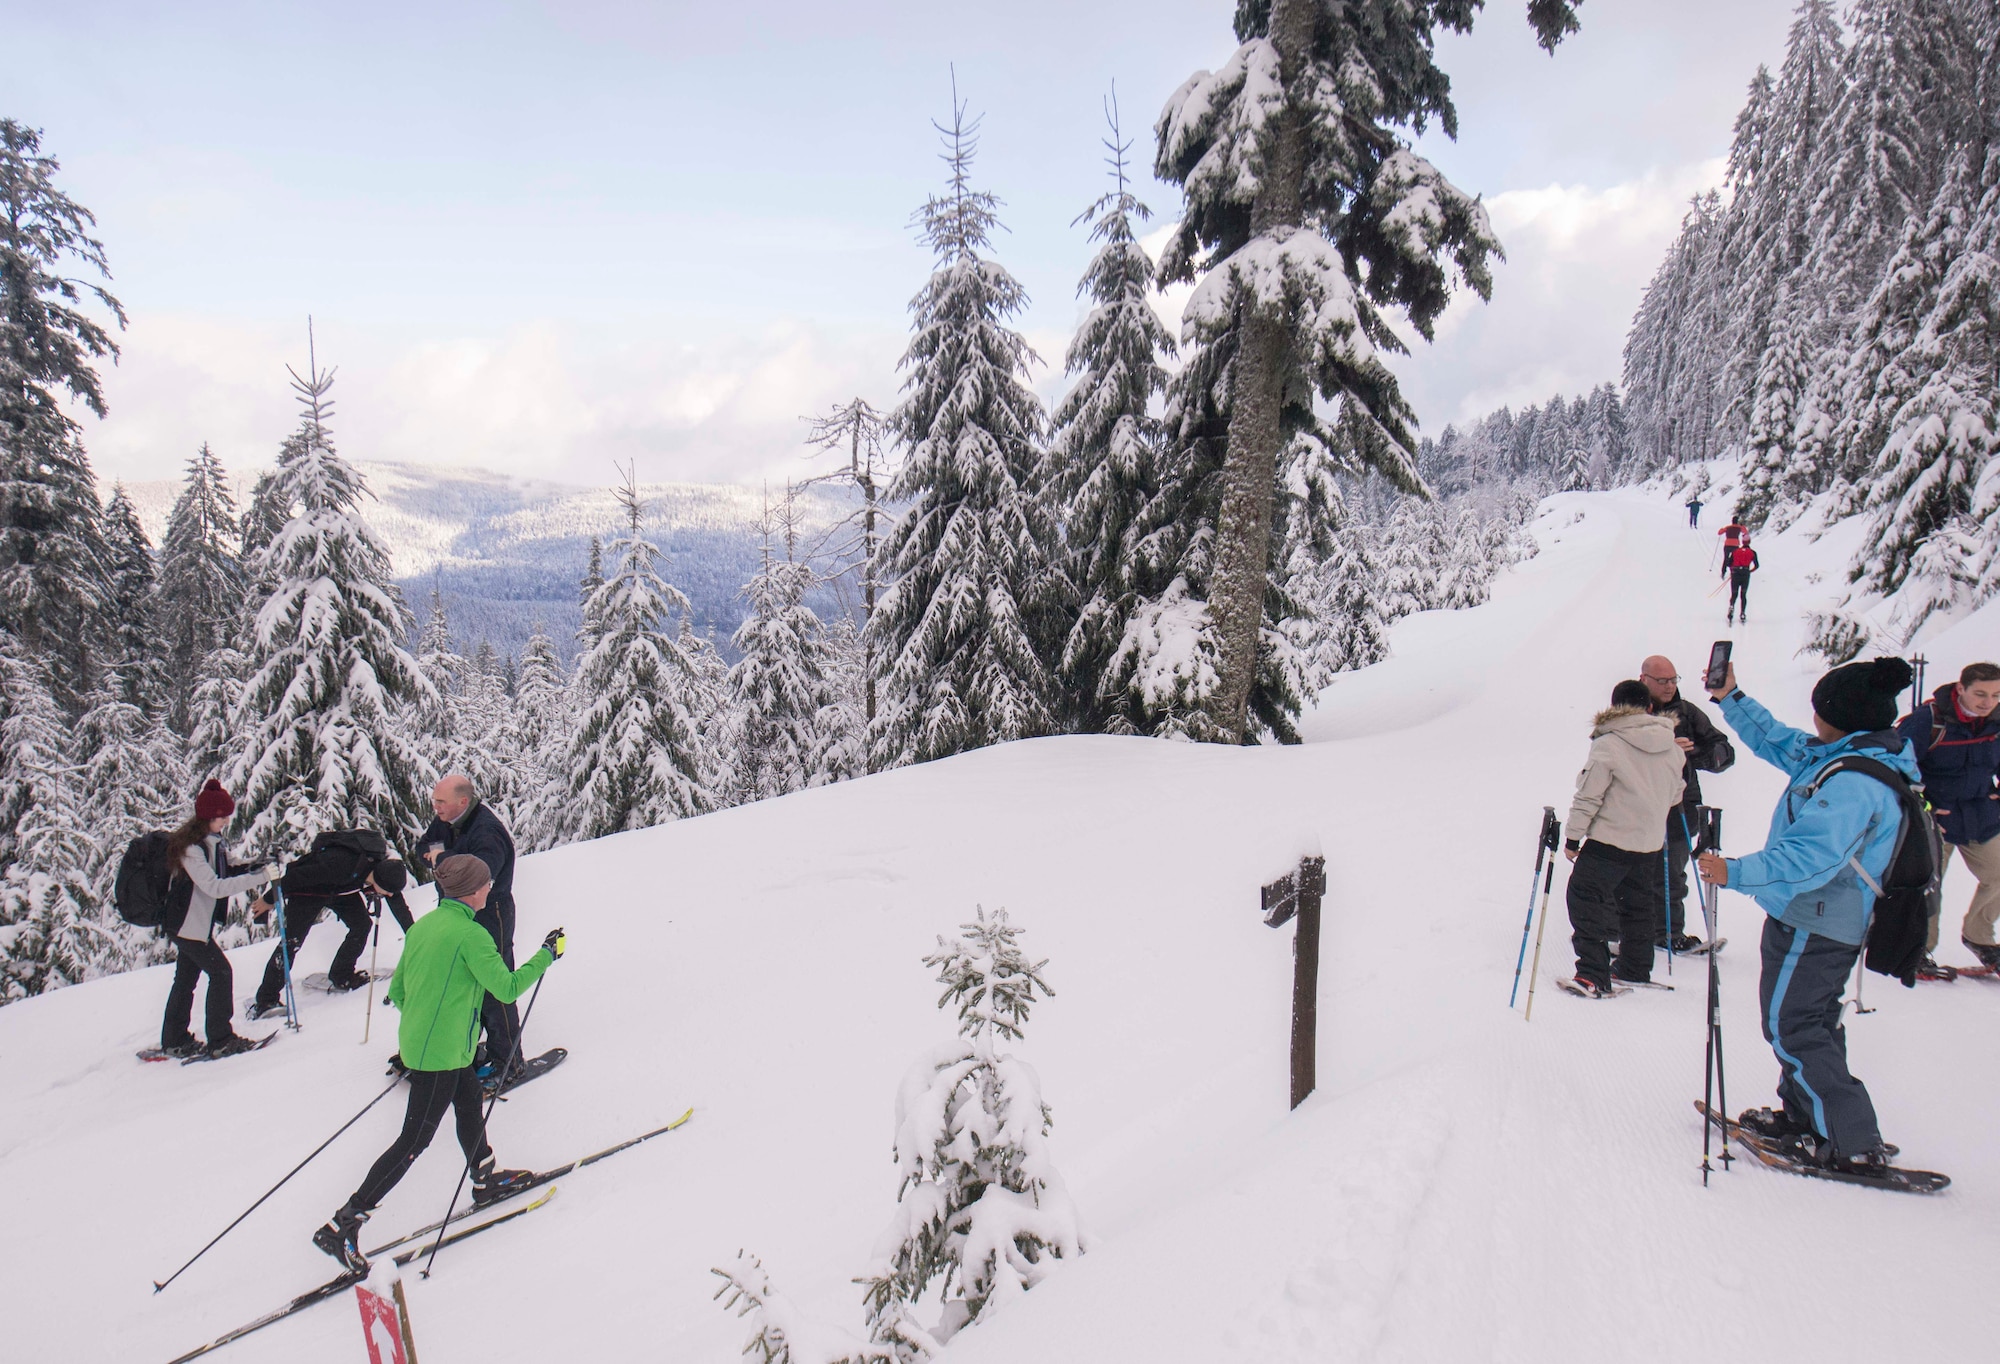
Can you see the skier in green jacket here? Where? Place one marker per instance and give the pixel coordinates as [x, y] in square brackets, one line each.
[449, 966]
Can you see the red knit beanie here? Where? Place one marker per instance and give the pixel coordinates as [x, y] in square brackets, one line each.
[214, 802]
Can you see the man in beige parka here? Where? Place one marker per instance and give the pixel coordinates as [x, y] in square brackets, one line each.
[1617, 887]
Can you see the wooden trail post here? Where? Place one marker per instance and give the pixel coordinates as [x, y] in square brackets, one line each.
[1298, 894]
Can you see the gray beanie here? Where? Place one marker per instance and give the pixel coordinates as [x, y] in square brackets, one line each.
[461, 875]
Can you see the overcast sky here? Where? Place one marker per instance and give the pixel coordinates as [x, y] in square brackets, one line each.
[541, 238]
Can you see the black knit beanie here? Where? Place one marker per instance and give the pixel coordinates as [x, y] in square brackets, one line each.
[391, 876]
[1860, 698]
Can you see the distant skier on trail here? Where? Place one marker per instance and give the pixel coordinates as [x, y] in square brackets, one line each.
[1694, 513]
[448, 967]
[1617, 887]
[341, 874]
[1737, 565]
[1955, 738]
[1708, 750]
[466, 824]
[1733, 534]
[200, 863]
[1812, 878]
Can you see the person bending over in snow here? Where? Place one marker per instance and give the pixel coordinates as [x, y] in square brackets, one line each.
[1955, 738]
[303, 909]
[1812, 880]
[1707, 749]
[1616, 839]
[449, 966]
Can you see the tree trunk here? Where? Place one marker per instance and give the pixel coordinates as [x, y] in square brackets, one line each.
[1250, 461]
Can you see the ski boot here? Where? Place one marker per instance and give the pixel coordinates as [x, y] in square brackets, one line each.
[1988, 954]
[338, 1238]
[490, 1185]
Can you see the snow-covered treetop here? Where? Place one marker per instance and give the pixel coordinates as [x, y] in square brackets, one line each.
[987, 975]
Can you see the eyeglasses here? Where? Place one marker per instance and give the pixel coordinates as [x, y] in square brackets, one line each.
[1648, 677]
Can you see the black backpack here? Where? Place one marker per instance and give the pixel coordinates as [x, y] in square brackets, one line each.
[338, 864]
[1912, 889]
[146, 892]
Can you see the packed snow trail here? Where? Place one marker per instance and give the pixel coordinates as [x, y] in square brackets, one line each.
[1463, 1186]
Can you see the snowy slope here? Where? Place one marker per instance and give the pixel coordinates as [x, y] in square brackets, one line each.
[1464, 1185]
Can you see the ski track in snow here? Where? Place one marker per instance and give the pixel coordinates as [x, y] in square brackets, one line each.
[1464, 1186]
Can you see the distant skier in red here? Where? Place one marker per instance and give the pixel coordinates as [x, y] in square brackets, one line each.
[1738, 563]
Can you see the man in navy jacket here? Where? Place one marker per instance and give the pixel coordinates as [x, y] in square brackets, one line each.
[465, 824]
[1955, 737]
[1829, 844]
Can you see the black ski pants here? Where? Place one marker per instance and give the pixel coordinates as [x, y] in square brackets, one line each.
[1799, 991]
[1739, 590]
[431, 1093]
[1614, 894]
[503, 1021]
[192, 961]
[1680, 823]
[301, 914]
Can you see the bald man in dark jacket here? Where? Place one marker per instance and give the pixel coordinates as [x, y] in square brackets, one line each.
[465, 824]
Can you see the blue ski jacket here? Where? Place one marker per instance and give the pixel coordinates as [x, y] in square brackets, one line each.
[1802, 876]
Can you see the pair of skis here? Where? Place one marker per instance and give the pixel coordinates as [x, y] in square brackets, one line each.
[336, 1286]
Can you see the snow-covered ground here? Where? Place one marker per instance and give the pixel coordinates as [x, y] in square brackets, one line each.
[1464, 1186]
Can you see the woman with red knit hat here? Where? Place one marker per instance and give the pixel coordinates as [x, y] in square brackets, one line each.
[203, 881]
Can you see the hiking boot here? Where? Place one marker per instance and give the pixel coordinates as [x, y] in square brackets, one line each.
[231, 1045]
[1931, 969]
[338, 1238]
[259, 1009]
[182, 1049]
[1589, 989]
[1988, 953]
[490, 1185]
[345, 983]
[1772, 1124]
[1618, 975]
[1684, 943]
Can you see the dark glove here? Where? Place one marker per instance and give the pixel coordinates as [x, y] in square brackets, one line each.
[555, 944]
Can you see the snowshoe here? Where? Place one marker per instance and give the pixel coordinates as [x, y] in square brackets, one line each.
[1932, 969]
[1989, 955]
[491, 1185]
[257, 1009]
[342, 984]
[232, 1045]
[1588, 989]
[339, 1238]
[1685, 945]
[531, 1069]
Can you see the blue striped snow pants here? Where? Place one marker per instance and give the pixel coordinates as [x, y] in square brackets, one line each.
[1804, 974]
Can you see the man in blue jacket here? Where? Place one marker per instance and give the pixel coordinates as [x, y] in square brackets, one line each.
[1828, 842]
[1955, 738]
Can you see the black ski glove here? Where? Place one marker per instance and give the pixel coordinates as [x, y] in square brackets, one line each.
[555, 943]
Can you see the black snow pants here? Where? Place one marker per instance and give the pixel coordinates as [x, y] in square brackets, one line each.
[431, 1093]
[192, 961]
[1680, 823]
[1739, 591]
[1614, 894]
[503, 1021]
[301, 913]
[1799, 990]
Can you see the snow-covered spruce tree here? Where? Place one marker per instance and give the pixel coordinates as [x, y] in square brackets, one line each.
[982, 1207]
[481, 744]
[1671, 352]
[1345, 627]
[587, 588]
[779, 683]
[444, 668]
[966, 634]
[1103, 435]
[51, 933]
[198, 593]
[538, 734]
[211, 714]
[323, 742]
[134, 779]
[842, 726]
[1310, 215]
[128, 626]
[637, 757]
[52, 559]
[782, 1333]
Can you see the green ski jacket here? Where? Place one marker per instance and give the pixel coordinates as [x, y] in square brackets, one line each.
[449, 966]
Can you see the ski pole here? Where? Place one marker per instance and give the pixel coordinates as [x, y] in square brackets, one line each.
[1543, 848]
[1715, 1092]
[161, 1285]
[1535, 971]
[285, 952]
[1667, 906]
[368, 1015]
[491, 1103]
